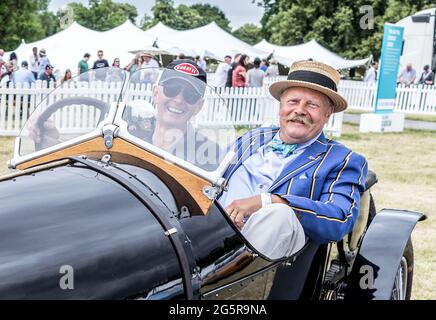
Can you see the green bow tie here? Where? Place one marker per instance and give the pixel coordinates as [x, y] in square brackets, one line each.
[279, 147]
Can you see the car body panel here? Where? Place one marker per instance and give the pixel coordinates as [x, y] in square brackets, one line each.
[380, 254]
[114, 245]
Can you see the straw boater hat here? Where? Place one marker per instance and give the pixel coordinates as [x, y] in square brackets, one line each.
[313, 75]
[147, 54]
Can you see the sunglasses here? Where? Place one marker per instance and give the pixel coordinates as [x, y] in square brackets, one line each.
[190, 95]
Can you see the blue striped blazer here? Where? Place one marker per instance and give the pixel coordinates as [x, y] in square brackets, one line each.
[322, 185]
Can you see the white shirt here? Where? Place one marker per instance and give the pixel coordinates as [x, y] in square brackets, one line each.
[150, 64]
[370, 75]
[257, 173]
[221, 74]
[34, 63]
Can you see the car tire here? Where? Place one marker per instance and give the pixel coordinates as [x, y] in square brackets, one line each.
[402, 289]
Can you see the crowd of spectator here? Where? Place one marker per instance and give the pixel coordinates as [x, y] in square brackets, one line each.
[240, 72]
[237, 72]
[407, 77]
[40, 68]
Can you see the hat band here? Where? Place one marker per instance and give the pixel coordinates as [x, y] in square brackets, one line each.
[313, 77]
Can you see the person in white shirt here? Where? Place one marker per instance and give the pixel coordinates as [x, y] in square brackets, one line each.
[371, 73]
[273, 69]
[34, 62]
[221, 72]
[407, 76]
[149, 69]
[201, 62]
[148, 61]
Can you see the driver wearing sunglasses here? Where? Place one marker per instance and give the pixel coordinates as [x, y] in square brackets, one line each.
[177, 97]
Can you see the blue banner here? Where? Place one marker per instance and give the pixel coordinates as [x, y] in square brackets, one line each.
[388, 71]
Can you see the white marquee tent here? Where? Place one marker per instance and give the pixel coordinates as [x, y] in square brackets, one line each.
[66, 48]
[311, 49]
[207, 41]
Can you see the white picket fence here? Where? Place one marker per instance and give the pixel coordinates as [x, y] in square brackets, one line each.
[223, 106]
[232, 106]
[416, 99]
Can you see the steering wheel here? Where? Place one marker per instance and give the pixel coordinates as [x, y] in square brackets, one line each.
[99, 104]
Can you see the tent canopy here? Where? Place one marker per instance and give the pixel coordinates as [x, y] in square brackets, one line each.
[311, 49]
[207, 41]
[67, 47]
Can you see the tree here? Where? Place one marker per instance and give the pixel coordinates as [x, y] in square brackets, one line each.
[103, 15]
[20, 20]
[146, 22]
[184, 17]
[334, 24]
[271, 7]
[210, 13]
[163, 11]
[249, 33]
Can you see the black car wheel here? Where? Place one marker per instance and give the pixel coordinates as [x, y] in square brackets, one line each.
[402, 289]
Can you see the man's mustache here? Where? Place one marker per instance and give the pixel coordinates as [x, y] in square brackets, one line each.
[303, 119]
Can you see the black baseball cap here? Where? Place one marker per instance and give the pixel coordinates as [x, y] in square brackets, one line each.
[185, 69]
[49, 66]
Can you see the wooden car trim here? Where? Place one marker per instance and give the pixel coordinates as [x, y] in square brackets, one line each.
[186, 187]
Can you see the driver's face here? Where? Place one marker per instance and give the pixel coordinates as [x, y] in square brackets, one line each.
[176, 102]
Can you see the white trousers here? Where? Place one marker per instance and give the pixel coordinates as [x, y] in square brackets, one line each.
[275, 231]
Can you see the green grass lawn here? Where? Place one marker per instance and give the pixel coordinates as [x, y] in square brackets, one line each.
[406, 167]
[6, 151]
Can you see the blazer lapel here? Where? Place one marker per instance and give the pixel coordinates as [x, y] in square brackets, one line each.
[249, 145]
[313, 154]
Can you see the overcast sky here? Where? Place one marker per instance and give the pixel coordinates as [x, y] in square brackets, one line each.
[238, 12]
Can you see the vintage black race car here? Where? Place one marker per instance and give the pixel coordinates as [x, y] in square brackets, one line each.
[95, 209]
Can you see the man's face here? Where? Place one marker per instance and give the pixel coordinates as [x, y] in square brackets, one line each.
[146, 59]
[177, 102]
[228, 60]
[100, 55]
[35, 51]
[49, 71]
[303, 113]
[409, 67]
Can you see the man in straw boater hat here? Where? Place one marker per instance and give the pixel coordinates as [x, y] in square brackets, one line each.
[291, 184]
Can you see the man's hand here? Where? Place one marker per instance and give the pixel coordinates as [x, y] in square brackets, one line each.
[243, 208]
